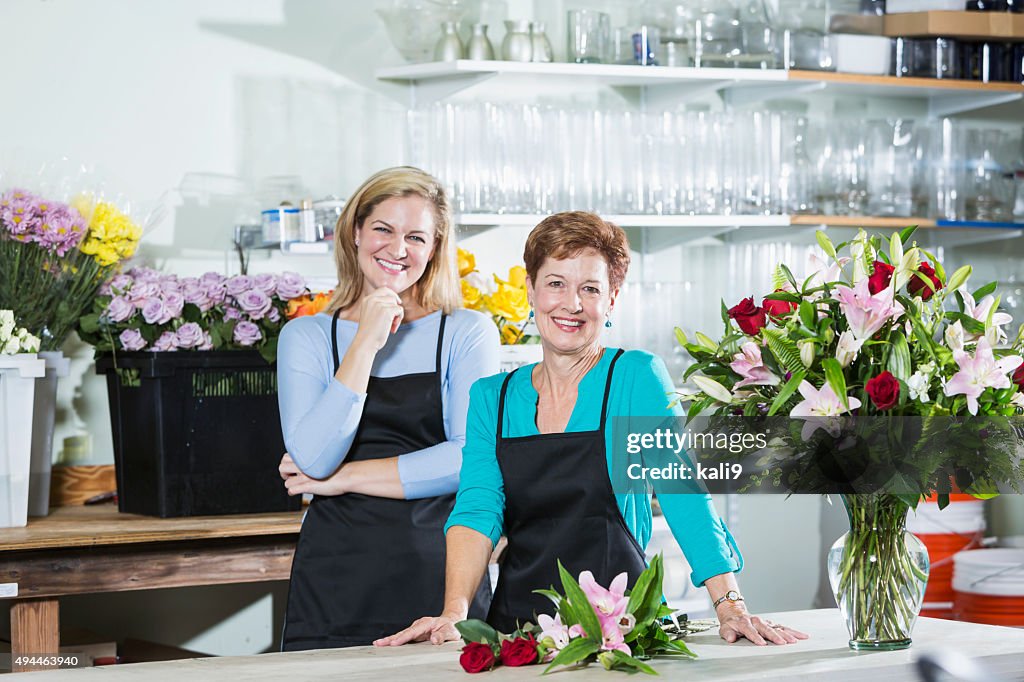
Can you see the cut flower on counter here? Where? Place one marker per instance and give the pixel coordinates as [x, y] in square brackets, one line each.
[615, 626]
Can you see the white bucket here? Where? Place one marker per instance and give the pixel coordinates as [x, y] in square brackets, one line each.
[43, 418]
[18, 374]
[997, 572]
[959, 518]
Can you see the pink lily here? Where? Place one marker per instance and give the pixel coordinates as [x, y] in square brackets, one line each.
[818, 403]
[980, 311]
[749, 365]
[613, 637]
[609, 604]
[980, 372]
[554, 635]
[865, 312]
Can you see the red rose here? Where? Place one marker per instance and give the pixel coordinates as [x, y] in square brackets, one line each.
[1018, 377]
[884, 390]
[778, 309]
[519, 651]
[916, 285]
[880, 277]
[748, 316]
[477, 657]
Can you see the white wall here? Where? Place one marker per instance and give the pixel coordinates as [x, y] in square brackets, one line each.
[182, 106]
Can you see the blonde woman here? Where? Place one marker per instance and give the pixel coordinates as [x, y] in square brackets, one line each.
[374, 394]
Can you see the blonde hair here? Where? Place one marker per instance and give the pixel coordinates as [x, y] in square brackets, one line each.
[438, 287]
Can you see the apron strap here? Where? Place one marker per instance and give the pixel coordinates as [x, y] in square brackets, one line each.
[440, 341]
[607, 389]
[501, 405]
[334, 340]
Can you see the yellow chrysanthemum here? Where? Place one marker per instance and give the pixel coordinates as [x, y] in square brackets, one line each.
[112, 235]
[510, 335]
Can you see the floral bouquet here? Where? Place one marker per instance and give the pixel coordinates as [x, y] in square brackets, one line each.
[54, 257]
[505, 300]
[890, 371]
[14, 339]
[620, 628]
[145, 310]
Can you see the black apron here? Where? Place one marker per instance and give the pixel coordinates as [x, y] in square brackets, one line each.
[366, 567]
[559, 505]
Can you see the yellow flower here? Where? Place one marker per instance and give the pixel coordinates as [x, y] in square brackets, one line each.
[467, 262]
[508, 302]
[471, 297]
[112, 236]
[516, 277]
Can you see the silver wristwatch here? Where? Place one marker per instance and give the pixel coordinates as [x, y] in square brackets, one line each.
[731, 596]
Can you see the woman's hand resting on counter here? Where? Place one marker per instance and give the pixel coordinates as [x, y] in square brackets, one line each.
[437, 629]
[735, 622]
[298, 483]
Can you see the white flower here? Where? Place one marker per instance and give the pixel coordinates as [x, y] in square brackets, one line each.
[6, 324]
[806, 352]
[918, 385]
[955, 337]
[847, 348]
[980, 312]
[1017, 400]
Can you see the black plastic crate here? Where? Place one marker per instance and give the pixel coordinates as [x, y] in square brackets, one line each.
[196, 433]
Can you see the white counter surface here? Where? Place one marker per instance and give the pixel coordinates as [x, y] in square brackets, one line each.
[825, 654]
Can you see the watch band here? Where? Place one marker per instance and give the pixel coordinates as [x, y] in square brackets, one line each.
[731, 596]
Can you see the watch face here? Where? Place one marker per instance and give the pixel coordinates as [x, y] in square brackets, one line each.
[732, 595]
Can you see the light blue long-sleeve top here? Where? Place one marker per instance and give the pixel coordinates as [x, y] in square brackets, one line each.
[639, 388]
[320, 415]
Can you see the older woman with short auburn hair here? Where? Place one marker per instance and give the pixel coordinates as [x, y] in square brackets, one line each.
[536, 465]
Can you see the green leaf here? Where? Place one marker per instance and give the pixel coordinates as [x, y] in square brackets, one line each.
[784, 349]
[825, 243]
[191, 313]
[971, 325]
[474, 630]
[783, 296]
[834, 377]
[789, 276]
[984, 291]
[906, 232]
[574, 652]
[699, 406]
[940, 271]
[584, 611]
[778, 278]
[808, 316]
[681, 337]
[899, 357]
[787, 390]
[90, 324]
[922, 337]
[645, 599]
[959, 277]
[679, 646]
[624, 660]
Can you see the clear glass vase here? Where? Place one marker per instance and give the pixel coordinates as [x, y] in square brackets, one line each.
[878, 573]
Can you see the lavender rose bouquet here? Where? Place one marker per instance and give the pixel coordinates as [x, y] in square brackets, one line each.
[146, 310]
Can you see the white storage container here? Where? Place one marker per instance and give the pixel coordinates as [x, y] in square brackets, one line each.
[18, 374]
[862, 54]
[903, 6]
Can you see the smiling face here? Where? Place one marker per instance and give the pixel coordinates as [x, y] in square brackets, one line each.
[572, 300]
[395, 243]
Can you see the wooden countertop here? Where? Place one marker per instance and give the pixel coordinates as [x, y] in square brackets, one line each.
[103, 525]
[824, 656]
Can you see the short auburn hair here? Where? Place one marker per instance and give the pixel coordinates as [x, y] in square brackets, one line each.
[566, 235]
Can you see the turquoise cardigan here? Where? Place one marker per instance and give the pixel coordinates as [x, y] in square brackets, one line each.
[639, 388]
